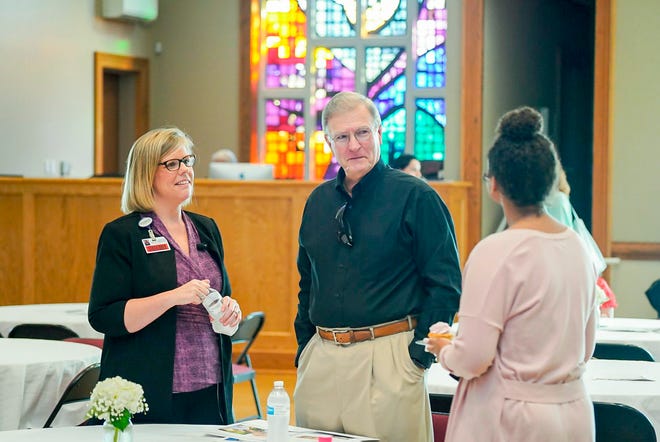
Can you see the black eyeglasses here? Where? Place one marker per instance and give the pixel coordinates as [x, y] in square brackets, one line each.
[344, 234]
[486, 176]
[175, 164]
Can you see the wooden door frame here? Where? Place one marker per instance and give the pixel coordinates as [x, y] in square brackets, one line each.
[119, 64]
[471, 128]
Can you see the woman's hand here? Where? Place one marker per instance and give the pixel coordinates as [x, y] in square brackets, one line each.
[231, 312]
[192, 292]
[434, 345]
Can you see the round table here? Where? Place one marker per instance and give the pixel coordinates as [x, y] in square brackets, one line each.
[72, 315]
[33, 376]
[643, 333]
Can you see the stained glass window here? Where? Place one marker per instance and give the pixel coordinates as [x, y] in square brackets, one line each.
[312, 49]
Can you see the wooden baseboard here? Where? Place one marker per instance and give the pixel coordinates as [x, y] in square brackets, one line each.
[639, 251]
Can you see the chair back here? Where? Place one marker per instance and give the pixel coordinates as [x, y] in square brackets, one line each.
[247, 332]
[625, 352]
[439, 421]
[96, 342]
[79, 389]
[622, 423]
[52, 332]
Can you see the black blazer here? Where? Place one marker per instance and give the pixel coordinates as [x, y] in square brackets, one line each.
[125, 271]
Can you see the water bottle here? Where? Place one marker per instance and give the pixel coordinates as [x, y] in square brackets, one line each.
[278, 406]
[213, 304]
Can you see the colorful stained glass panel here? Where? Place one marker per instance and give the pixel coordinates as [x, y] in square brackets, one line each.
[431, 40]
[285, 137]
[430, 123]
[386, 17]
[285, 44]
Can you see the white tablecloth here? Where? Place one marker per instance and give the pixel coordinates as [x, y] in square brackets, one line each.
[72, 315]
[33, 376]
[633, 383]
[643, 333]
[156, 433]
[141, 433]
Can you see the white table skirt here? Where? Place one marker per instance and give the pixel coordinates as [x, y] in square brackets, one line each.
[33, 376]
[161, 433]
[141, 433]
[643, 333]
[72, 315]
[606, 381]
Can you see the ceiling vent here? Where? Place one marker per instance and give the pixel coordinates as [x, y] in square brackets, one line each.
[131, 10]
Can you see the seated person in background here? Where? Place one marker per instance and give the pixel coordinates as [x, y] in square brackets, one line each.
[407, 163]
[528, 311]
[224, 156]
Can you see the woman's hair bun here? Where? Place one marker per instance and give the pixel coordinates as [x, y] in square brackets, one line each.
[521, 124]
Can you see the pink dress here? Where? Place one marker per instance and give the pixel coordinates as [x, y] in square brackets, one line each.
[527, 322]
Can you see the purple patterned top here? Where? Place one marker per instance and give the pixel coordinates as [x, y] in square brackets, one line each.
[196, 352]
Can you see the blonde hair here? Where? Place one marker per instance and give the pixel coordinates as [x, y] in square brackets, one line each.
[142, 163]
[562, 181]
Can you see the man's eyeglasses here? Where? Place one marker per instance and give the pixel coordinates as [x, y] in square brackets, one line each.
[362, 135]
[175, 164]
[344, 234]
[486, 176]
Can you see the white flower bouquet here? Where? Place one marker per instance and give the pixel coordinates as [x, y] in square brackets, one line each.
[116, 400]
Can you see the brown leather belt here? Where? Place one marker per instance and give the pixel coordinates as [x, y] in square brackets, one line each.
[346, 336]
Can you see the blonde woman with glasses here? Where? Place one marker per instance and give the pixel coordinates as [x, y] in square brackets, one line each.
[154, 266]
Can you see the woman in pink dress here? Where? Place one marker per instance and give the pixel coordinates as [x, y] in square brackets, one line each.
[528, 310]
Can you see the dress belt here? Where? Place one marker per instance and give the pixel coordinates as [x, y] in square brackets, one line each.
[347, 335]
[544, 393]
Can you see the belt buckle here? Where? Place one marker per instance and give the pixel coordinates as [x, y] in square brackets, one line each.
[334, 336]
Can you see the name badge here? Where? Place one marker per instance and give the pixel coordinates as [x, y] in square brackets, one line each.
[155, 245]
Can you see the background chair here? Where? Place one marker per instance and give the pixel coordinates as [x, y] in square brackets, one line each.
[53, 332]
[79, 389]
[622, 423]
[96, 342]
[440, 421]
[247, 332]
[624, 352]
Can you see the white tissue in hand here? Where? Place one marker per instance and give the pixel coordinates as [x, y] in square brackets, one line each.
[440, 328]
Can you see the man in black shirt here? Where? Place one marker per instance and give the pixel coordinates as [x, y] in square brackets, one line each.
[378, 265]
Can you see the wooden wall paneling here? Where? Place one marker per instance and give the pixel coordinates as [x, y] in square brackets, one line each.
[639, 251]
[11, 244]
[50, 229]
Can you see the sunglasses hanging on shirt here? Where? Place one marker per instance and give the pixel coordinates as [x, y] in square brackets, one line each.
[344, 234]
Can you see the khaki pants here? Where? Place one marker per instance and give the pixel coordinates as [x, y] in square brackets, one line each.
[370, 388]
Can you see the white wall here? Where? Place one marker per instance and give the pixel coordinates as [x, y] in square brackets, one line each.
[47, 77]
[47, 80]
[636, 150]
[195, 79]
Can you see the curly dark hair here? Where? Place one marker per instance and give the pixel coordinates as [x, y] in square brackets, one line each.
[522, 159]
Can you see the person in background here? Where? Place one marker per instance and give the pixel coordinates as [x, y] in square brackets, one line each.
[528, 310]
[154, 266]
[407, 163]
[378, 264]
[224, 156]
[558, 205]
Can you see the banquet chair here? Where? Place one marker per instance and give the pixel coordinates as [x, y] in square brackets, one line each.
[440, 403]
[247, 332]
[96, 342]
[440, 421]
[625, 352]
[622, 423]
[79, 389]
[52, 332]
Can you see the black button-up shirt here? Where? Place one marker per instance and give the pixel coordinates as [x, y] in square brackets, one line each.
[403, 260]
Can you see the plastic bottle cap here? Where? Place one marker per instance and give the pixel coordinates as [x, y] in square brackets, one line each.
[278, 384]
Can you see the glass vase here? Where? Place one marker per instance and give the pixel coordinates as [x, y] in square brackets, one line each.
[114, 434]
